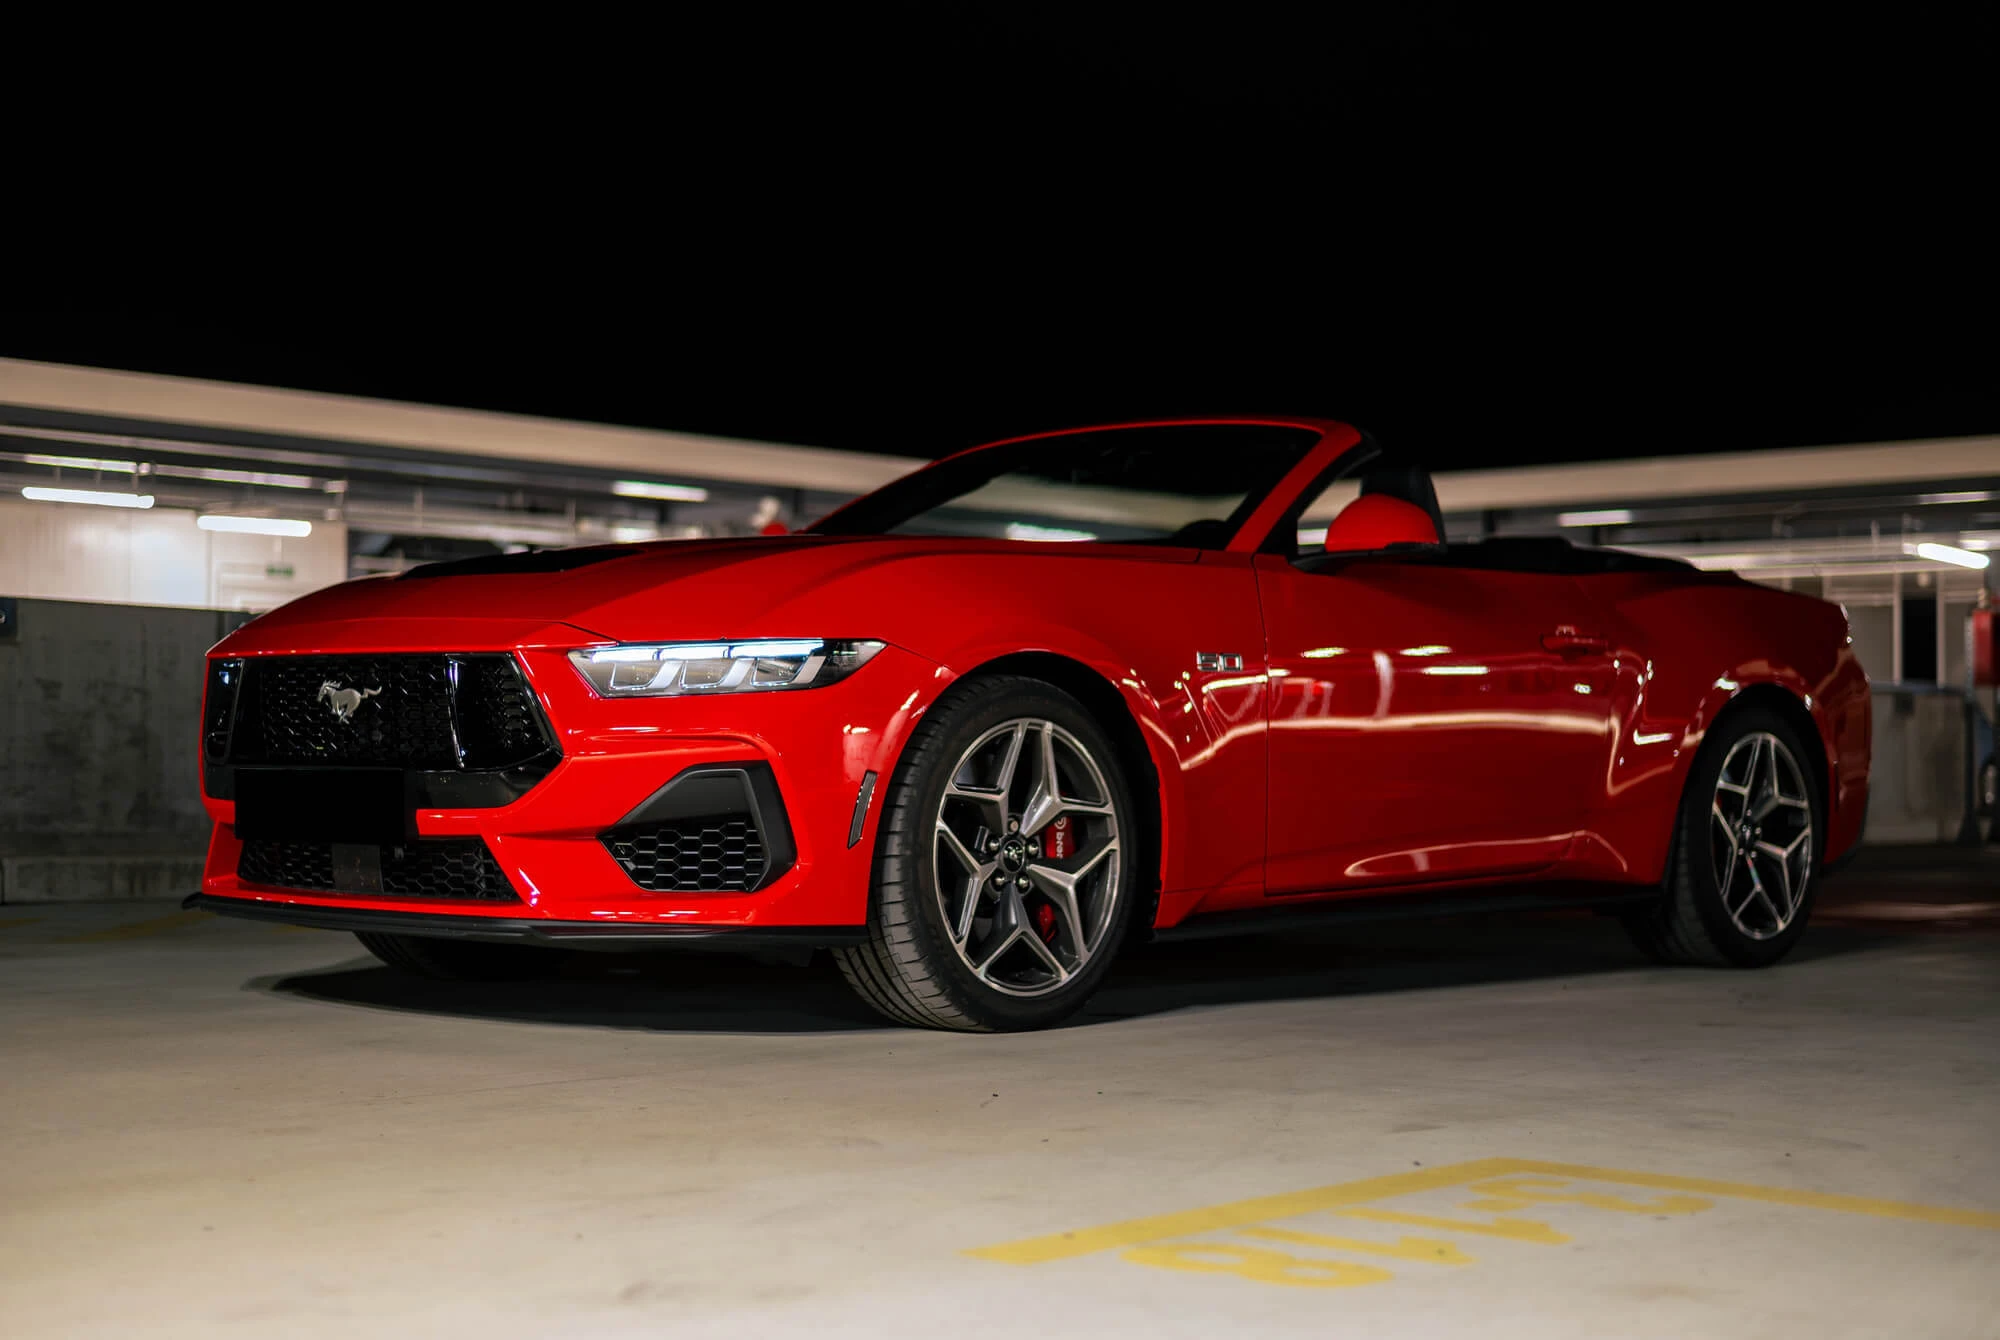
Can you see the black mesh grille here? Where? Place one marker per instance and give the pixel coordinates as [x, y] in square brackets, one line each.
[425, 712]
[287, 865]
[431, 868]
[721, 854]
[499, 722]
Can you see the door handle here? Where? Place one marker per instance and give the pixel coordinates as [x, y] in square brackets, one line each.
[1575, 642]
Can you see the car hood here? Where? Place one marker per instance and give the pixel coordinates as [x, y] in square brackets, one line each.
[795, 586]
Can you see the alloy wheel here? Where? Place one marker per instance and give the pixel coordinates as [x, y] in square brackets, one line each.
[1761, 835]
[1026, 857]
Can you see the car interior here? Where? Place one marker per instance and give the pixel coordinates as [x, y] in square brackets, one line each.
[1397, 515]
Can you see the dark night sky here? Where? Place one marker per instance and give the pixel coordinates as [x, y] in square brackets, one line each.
[1490, 239]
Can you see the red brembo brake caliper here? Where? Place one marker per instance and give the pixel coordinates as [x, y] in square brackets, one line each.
[1058, 842]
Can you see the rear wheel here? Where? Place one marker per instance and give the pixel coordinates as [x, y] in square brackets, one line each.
[459, 960]
[1746, 849]
[1004, 872]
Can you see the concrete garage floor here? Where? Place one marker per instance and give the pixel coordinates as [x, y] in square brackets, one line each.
[217, 1128]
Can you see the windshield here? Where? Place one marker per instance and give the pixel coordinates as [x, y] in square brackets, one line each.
[1189, 484]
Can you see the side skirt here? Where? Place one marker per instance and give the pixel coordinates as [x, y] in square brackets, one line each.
[1607, 898]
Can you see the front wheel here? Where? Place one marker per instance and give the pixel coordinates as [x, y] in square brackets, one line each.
[1006, 867]
[1746, 848]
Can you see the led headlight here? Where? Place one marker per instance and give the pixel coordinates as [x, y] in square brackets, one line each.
[677, 669]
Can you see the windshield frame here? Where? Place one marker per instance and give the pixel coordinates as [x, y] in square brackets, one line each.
[944, 482]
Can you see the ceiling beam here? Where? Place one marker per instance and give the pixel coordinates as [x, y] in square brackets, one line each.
[641, 452]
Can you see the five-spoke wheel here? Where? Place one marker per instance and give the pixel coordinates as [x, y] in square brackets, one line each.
[1006, 867]
[1761, 835]
[1026, 867]
[1739, 880]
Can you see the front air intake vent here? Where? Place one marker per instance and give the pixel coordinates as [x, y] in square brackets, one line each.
[724, 854]
[709, 830]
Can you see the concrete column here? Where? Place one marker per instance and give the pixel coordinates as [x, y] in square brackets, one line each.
[1896, 629]
[1943, 643]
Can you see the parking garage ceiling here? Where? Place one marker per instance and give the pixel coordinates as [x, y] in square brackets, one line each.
[391, 468]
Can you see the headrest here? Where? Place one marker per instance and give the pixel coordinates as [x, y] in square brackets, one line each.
[1410, 482]
[1376, 521]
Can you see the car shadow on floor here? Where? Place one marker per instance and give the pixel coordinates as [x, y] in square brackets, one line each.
[1393, 956]
[726, 993]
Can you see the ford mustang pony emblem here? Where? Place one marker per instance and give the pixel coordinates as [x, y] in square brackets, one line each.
[345, 702]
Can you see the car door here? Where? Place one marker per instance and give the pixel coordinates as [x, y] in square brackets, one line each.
[1428, 722]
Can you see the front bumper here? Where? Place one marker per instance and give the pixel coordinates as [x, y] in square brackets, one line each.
[819, 745]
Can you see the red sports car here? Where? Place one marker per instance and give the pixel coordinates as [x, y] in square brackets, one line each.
[1256, 686]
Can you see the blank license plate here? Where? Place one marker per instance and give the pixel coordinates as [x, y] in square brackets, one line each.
[344, 805]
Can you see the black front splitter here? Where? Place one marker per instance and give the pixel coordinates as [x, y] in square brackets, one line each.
[556, 934]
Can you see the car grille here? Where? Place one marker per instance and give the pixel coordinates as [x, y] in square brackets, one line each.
[433, 712]
[430, 868]
[718, 854]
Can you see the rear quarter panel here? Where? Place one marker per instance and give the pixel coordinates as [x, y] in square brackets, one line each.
[1691, 645]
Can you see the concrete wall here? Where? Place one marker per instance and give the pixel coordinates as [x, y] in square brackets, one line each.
[1874, 632]
[100, 709]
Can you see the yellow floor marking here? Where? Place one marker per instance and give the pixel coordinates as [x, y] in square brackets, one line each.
[1130, 1232]
[1520, 1230]
[1773, 1195]
[1255, 1263]
[18, 921]
[1350, 1199]
[1408, 1249]
[1520, 1193]
[136, 929]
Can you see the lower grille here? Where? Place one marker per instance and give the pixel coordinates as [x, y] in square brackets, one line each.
[718, 853]
[432, 868]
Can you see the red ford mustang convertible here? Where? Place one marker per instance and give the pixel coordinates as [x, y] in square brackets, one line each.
[1254, 687]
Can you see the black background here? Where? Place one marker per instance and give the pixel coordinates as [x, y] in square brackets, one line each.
[1492, 238]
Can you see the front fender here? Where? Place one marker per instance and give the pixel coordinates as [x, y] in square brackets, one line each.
[1142, 702]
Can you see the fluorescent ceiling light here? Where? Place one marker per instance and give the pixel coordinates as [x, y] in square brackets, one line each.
[237, 476]
[1454, 669]
[639, 488]
[1020, 530]
[1312, 535]
[1616, 516]
[83, 463]
[95, 497]
[1948, 553]
[256, 525]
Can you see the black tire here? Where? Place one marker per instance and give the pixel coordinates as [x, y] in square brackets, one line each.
[908, 970]
[1689, 924]
[460, 960]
